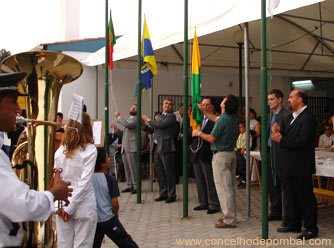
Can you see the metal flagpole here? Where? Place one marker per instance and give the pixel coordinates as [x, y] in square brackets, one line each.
[264, 137]
[106, 84]
[185, 111]
[139, 107]
[248, 176]
[151, 137]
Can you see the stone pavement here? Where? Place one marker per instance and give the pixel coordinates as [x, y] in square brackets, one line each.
[157, 224]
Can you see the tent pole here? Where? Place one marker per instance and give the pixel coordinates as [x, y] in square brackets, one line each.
[185, 111]
[240, 81]
[248, 176]
[139, 107]
[106, 84]
[264, 136]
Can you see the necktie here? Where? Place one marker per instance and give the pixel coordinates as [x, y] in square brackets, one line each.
[203, 123]
[273, 119]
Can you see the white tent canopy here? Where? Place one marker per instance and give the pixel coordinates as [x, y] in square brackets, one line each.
[304, 35]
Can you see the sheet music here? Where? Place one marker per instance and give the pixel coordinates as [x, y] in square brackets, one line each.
[97, 129]
[75, 112]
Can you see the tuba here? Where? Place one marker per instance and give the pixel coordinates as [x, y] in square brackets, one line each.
[46, 72]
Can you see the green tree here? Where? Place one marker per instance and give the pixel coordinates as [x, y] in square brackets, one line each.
[4, 54]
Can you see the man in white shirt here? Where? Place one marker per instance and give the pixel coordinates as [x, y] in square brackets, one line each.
[326, 140]
[17, 202]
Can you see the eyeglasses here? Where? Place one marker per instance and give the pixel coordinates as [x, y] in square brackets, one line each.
[328, 129]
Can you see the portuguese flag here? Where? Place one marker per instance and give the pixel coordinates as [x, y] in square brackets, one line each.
[196, 120]
[111, 42]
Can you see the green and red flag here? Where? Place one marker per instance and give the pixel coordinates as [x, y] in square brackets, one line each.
[111, 42]
[196, 120]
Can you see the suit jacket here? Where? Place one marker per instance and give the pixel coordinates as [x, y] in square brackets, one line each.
[283, 120]
[297, 146]
[129, 134]
[166, 130]
[204, 153]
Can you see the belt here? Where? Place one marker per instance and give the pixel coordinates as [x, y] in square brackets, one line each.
[214, 152]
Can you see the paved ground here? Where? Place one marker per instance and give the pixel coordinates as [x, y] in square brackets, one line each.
[157, 224]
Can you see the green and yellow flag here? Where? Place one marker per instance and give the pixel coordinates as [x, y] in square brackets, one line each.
[196, 85]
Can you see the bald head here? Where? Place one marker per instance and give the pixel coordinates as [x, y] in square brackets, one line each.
[297, 99]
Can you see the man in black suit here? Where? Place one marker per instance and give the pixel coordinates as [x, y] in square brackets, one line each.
[201, 157]
[276, 179]
[166, 130]
[297, 154]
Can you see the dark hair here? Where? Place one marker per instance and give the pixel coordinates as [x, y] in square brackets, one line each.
[277, 93]
[243, 123]
[101, 158]
[209, 98]
[327, 125]
[251, 110]
[231, 104]
[60, 114]
[303, 95]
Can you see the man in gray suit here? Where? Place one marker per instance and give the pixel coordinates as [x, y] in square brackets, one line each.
[166, 130]
[129, 147]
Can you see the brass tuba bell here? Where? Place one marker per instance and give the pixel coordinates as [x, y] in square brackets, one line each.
[46, 72]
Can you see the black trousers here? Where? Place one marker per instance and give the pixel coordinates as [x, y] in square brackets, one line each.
[241, 165]
[275, 190]
[114, 229]
[302, 204]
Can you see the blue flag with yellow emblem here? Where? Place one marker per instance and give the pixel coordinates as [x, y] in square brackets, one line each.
[148, 64]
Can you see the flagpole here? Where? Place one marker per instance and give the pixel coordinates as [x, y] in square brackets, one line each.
[151, 139]
[264, 137]
[139, 106]
[185, 110]
[106, 84]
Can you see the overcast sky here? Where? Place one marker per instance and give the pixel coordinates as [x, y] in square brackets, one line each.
[28, 23]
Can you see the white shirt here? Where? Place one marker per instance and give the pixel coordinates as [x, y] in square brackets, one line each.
[296, 114]
[78, 170]
[19, 204]
[326, 141]
[252, 124]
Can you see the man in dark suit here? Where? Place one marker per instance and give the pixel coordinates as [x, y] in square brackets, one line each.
[297, 154]
[276, 179]
[201, 157]
[166, 130]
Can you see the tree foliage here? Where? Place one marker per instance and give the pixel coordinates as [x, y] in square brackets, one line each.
[4, 54]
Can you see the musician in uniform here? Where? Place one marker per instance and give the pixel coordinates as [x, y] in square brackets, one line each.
[17, 202]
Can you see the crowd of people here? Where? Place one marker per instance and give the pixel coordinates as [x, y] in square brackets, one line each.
[217, 156]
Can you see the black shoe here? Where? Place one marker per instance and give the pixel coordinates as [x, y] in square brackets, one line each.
[128, 189]
[307, 235]
[241, 185]
[200, 208]
[134, 191]
[171, 199]
[285, 229]
[272, 217]
[161, 198]
[212, 211]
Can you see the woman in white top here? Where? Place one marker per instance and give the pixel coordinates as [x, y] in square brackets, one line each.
[76, 223]
[255, 126]
[326, 140]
